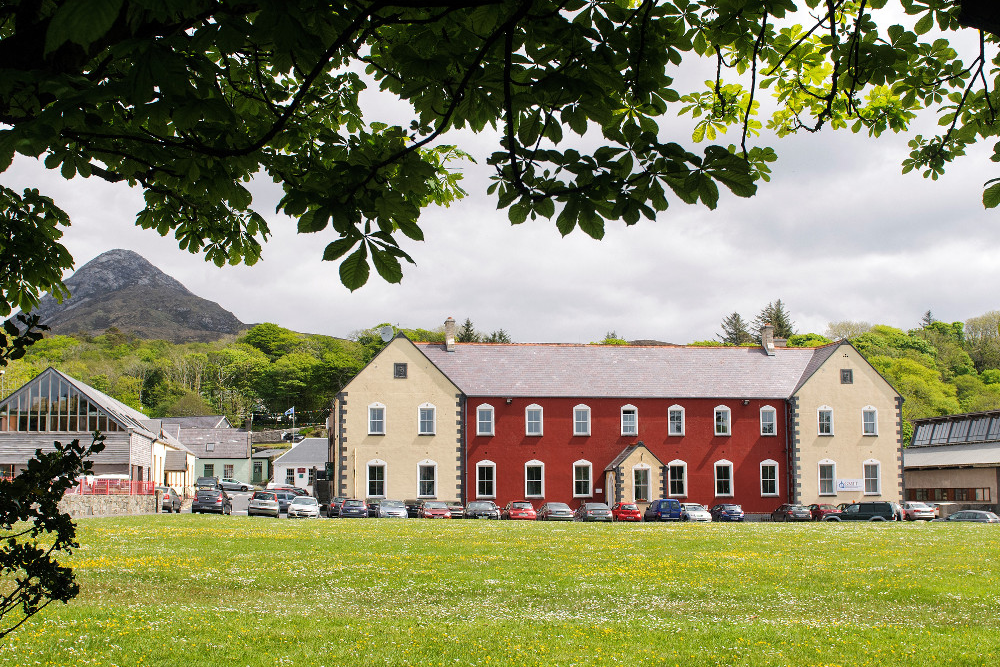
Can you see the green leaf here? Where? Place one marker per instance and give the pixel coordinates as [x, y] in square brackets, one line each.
[387, 265]
[518, 213]
[991, 196]
[925, 23]
[354, 270]
[338, 249]
[82, 22]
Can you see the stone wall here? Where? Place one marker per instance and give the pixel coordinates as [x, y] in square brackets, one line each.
[79, 507]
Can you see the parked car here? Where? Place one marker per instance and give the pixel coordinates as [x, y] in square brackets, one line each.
[292, 437]
[593, 512]
[284, 499]
[482, 509]
[914, 510]
[519, 509]
[820, 511]
[235, 485]
[977, 516]
[171, 501]
[626, 512]
[392, 509]
[264, 503]
[664, 509]
[555, 512]
[694, 512]
[207, 482]
[333, 509]
[352, 508]
[791, 512]
[373, 504]
[209, 499]
[867, 511]
[434, 509]
[456, 508]
[303, 506]
[413, 508]
[726, 512]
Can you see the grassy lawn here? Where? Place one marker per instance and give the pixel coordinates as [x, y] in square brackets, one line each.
[208, 590]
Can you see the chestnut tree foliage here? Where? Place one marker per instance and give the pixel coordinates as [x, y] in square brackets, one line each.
[190, 99]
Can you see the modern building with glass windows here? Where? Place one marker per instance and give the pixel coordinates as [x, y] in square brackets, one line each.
[54, 406]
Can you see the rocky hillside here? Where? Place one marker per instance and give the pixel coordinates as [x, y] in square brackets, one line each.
[121, 289]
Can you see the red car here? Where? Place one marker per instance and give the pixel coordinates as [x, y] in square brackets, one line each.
[626, 512]
[519, 509]
[434, 509]
[820, 511]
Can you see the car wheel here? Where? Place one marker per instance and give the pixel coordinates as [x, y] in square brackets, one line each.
[876, 518]
[832, 518]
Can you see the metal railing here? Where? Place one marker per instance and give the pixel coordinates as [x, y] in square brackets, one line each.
[110, 487]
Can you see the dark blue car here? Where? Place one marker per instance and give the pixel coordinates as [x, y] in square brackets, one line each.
[664, 509]
[727, 512]
[354, 509]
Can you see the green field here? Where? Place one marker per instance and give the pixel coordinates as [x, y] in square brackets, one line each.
[208, 590]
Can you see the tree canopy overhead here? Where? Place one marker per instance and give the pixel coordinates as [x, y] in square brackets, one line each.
[190, 99]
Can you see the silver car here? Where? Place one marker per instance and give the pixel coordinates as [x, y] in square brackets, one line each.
[263, 502]
[914, 510]
[695, 512]
[395, 509]
[303, 506]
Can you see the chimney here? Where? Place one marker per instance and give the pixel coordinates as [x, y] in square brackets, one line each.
[781, 342]
[767, 339]
[449, 334]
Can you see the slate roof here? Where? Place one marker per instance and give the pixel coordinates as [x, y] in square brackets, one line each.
[230, 443]
[206, 421]
[985, 455]
[614, 371]
[307, 453]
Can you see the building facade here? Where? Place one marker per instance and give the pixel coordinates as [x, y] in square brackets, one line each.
[396, 429]
[955, 459]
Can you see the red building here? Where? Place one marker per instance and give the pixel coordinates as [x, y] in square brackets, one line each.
[575, 423]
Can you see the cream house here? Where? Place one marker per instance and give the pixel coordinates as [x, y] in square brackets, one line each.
[396, 429]
[846, 442]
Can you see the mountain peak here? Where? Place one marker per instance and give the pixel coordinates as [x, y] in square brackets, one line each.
[120, 288]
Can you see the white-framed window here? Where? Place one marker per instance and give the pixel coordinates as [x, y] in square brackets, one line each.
[873, 477]
[376, 419]
[768, 421]
[484, 419]
[630, 420]
[486, 479]
[769, 478]
[869, 420]
[581, 420]
[723, 478]
[290, 476]
[582, 479]
[533, 420]
[640, 482]
[227, 470]
[534, 479]
[675, 420]
[824, 417]
[375, 481]
[827, 475]
[426, 419]
[723, 421]
[427, 479]
[677, 472]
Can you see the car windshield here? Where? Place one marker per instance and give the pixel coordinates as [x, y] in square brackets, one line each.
[480, 506]
[261, 495]
[353, 503]
[695, 507]
[730, 508]
[596, 506]
[391, 503]
[629, 506]
[558, 506]
[917, 506]
[305, 500]
[435, 505]
[522, 506]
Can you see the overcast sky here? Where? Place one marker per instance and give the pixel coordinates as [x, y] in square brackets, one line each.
[838, 234]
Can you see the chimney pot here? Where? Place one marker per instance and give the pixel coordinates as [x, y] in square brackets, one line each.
[767, 339]
[449, 334]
